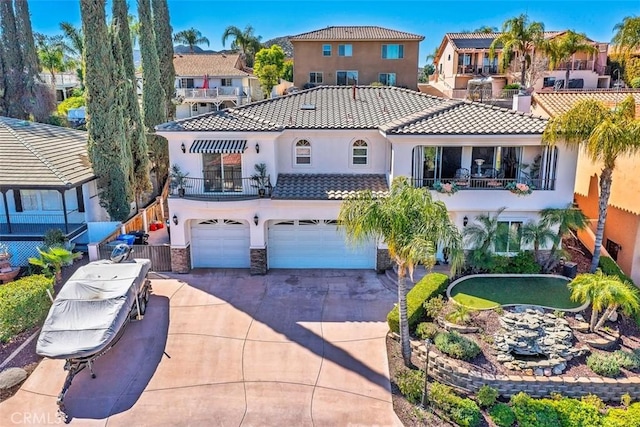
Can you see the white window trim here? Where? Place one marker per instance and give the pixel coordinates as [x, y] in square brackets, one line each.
[345, 50]
[348, 71]
[330, 50]
[395, 77]
[367, 157]
[522, 222]
[295, 154]
[392, 44]
[316, 73]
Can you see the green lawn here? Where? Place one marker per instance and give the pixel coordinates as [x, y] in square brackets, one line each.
[488, 292]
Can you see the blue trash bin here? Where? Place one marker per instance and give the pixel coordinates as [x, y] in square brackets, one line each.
[129, 239]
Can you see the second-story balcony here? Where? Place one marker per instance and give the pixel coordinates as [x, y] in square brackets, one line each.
[212, 94]
[222, 189]
[487, 183]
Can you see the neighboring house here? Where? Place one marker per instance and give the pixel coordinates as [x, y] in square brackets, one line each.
[323, 144]
[46, 183]
[65, 83]
[464, 57]
[356, 55]
[622, 229]
[211, 82]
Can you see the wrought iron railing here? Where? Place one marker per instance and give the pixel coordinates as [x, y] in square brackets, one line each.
[486, 183]
[222, 188]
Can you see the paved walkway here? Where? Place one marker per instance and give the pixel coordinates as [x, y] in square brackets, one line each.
[298, 348]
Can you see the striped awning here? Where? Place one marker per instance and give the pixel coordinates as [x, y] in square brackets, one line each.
[218, 146]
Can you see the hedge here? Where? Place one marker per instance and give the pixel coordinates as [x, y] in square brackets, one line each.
[611, 268]
[23, 304]
[464, 412]
[428, 287]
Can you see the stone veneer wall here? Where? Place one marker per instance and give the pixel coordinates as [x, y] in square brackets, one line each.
[258, 261]
[383, 260]
[181, 260]
[450, 371]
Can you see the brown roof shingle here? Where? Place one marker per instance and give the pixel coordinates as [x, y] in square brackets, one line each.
[356, 33]
[37, 154]
[199, 64]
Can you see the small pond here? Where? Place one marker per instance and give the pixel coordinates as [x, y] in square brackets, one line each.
[487, 291]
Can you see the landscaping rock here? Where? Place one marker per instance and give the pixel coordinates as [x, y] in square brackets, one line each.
[12, 377]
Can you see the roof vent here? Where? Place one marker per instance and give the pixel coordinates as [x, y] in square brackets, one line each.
[308, 107]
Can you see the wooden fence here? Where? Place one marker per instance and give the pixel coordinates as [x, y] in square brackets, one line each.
[160, 256]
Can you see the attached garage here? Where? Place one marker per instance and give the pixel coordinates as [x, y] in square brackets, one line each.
[315, 244]
[220, 244]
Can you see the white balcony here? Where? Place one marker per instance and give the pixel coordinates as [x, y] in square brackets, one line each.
[217, 94]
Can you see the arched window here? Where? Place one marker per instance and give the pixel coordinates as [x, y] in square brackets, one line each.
[359, 153]
[303, 152]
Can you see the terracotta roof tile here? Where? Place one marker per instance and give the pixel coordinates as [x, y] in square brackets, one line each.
[470, 41]
[37, 154]
[556, 103]
[356, 33]
[327, 186]
[199, 64]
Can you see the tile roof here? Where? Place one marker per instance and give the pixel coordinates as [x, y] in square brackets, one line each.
[37, 154]
[556, 103]
[390, 109]
[462, 41]
[356, 33]
[199, 64]
[327, 186]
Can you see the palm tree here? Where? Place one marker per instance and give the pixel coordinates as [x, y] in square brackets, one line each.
[134, 29]
[566, 219]
[485, 29]
[519, 38]
[562, 48]
[411, 223]
[540, 234]
[606, 293]
[627, 36]
[483, 233]
[245, 41]
[604, 135]
[191, 38]
[53, 259]
[74, 44]
[51, 55]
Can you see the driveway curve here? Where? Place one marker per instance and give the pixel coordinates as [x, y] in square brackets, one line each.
[221, 347]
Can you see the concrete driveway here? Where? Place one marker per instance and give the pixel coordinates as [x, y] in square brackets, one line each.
[220, 347]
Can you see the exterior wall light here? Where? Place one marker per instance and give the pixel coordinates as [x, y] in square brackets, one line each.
[183, 148]
[175, 219]
[257, 148]
[255, 219]
[465, 221]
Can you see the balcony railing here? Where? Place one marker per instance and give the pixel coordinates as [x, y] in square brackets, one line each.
[220, 189]
[487, 183]
[477, 69]
[481, 94]
[581, 64]
[27, 224]
[217, 92]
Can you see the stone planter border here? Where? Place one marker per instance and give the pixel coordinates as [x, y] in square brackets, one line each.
[451, 372]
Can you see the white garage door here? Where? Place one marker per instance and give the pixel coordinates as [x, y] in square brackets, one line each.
[220, 243]
[315, 244]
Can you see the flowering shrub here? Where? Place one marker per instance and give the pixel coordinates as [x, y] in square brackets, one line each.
[446, 188]
[519, 188]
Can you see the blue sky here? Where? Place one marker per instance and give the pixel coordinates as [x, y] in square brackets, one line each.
[431, 19]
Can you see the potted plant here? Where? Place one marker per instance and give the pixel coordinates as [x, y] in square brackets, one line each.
[519, 188]
[178, 179]
[4, 258]
[260, 179]
[448, 188]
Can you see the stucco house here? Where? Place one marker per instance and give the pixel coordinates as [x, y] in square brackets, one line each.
[348, 55]
[46, 183]
[464, 57]
[321, 145]
[622, 228]
[210, 82]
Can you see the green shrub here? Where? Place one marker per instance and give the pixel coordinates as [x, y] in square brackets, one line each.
[610, 268]
[606, 366]
[575, 413]
[433, 306]
[411, 384]
[625, 400]
[460, 315]
[54, 237]
[530, 412]
[524, 263]
[627, 359]
[23, 304]
[620, 417]
[500, 264]
[512, 86]
[456, 346]
[635, 82]
[464, 412]
[487, 396]
[502, 415]
[427, 330]
[428, 287]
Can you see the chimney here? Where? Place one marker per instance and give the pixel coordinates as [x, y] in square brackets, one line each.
[522, 102]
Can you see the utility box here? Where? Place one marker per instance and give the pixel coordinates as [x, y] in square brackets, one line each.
[570, 270]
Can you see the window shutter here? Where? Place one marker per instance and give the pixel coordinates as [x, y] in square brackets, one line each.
[18, 200]
[80, 198]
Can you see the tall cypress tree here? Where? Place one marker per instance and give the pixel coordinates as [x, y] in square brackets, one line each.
[106, 134]
[134, 129]
[153, 97]
[12, 62]
[164, 44]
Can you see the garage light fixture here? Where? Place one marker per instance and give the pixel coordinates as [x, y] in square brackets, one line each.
[175, 219]
[257, 148]
[465, 221]
[255, 219]
[183, 148]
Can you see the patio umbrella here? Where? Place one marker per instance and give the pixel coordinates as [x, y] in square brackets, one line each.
[205, 85]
